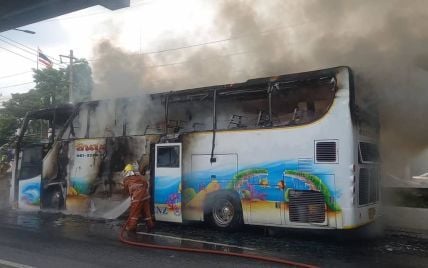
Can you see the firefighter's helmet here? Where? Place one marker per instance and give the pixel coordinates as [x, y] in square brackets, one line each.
[135, 166]
[128, 168]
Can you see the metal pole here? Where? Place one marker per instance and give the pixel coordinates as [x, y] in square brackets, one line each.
[212, 158]
[215, 110]
[166, 112]
[70, 93]
[270, 104]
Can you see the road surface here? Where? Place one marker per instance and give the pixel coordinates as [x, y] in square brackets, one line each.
[55, 240]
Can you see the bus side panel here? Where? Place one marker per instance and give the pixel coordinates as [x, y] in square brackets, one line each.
[86, 156]
[206, 178]
[275, 164]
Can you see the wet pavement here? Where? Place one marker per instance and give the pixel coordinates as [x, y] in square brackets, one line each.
[44, 239]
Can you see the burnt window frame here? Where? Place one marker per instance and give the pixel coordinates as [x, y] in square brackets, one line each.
[176, 148]
[247, 92]
[259, 94]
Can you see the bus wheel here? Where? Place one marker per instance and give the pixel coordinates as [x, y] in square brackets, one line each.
[225, 212]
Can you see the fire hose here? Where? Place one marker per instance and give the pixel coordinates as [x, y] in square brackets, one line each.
[208, 251]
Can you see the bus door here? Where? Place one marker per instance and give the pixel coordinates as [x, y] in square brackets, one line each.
[167, 182]
[29, 176]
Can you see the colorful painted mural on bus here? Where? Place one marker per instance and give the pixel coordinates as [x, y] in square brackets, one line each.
[29, 193]
[87, 155]
[269, 182]
[167, 198]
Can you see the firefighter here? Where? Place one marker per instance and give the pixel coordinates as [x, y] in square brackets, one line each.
[138, 189]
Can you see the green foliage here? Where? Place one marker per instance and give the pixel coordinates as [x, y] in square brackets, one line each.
[320, 185]
[52, 88]
[82, 81]
[243, 174]
[287, 195]
[8, 124]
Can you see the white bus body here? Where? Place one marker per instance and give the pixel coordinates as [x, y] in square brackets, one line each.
[227, 154]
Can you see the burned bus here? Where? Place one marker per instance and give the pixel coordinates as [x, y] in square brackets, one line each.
[287, 151]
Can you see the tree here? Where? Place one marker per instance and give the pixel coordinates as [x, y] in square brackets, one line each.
[53, 84]
[52, 88]
[82, 80]
[14, 111]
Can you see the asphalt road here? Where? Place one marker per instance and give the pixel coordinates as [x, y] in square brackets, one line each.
[56, 240]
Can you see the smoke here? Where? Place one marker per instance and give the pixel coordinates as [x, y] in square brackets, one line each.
[117, 72]
[383, 41]
[385, 44]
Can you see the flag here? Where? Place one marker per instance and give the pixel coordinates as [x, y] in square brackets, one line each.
[44, 59]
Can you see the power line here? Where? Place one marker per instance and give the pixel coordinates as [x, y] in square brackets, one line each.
[196, 60]
[27, 51]
[16, 74]
[23, 49]
[27, 47]
[16, 85]
[210, 42]
[222, 40]
[204, 59]
[251, 51]
[216, 41]
[18, 54]
[11, 51]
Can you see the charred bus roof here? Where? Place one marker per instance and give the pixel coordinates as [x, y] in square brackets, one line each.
[59, 113]
[254, 85]
[250, 87]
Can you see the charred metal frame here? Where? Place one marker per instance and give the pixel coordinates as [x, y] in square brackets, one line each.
[166, 113]
[253, 86]
[289, 80]
[270, 103]
[212, 158]
[50, 114]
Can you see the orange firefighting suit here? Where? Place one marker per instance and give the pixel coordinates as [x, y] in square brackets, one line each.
[138, 189]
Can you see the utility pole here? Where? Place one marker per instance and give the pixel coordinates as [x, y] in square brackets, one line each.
[70, 72]
[70, 93]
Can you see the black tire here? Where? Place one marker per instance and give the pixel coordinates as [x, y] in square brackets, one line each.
[223, 211]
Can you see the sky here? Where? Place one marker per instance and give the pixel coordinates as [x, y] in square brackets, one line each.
[140, 28]
[254, 26]
[224, 41]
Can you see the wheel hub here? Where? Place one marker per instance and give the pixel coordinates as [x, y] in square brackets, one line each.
[223, 212]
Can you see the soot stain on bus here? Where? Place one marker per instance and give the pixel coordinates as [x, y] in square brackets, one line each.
[201, 161]
[389, 60]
